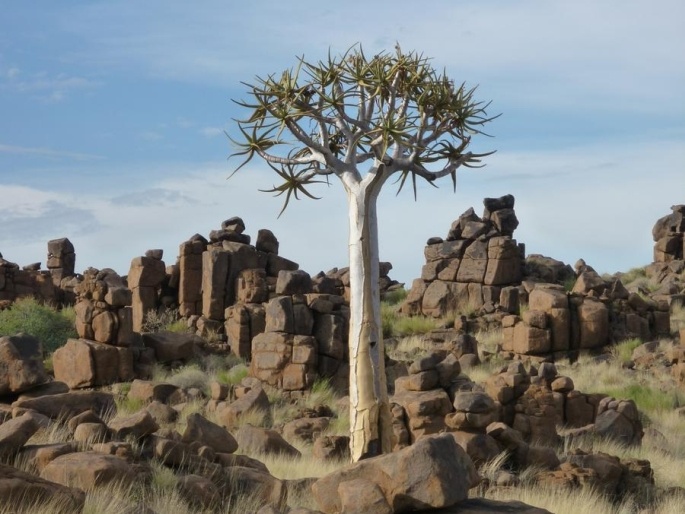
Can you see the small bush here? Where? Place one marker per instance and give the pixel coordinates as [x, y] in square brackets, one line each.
[232, 376]
[47, 324]
[395, 297]
[623, 351]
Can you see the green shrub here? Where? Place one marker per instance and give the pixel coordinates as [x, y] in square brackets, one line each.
[395, 297]
[47, 324]
[623, 351]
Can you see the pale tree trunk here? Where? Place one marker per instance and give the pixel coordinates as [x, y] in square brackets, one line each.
[370, 418]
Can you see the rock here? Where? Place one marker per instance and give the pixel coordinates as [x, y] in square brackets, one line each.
[15, 433]
[254, 400]
[264, 441]
[434, 472]
[484, 506]
[305, 429]
[70, 404]
[86, 470]
[266, 488]
[22, 489]
[138, 425]
[88, 433]
[201, 430]
[83, 363]
[199, 491]
[331, 447]
[162, 413]
[293, 282]
[147, 391]
[172, 346]
[21, 364]
[40, 455]
[85, 417]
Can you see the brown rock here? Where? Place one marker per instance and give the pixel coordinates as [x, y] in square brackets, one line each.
[14, 434]
[70, 404]
[305, 429]
[199, 491]
[201, 430]
[23, 489]
[263, 441]
[254, 400]
[21, 363]
[434, 472]
[137, 425]
[86, 470]
[331, 447]
[83, 363]
[172, 346]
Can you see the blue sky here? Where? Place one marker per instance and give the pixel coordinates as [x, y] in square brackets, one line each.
[112, 117]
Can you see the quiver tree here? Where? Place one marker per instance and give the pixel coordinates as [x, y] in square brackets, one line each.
[362, 120]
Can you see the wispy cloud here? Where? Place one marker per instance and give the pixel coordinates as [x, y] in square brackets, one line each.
[48, 152]
[211, 131]
[45, 86]
[150, 135]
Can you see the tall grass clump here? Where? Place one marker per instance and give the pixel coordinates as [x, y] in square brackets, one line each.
[623, 351]
[164, 320]
[678, 317]
[50, 326]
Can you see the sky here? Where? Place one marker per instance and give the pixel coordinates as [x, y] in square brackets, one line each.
[113, 118]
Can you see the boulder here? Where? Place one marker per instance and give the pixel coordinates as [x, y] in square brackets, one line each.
[434, 472]
[15, 433]
[263, 441]
[70, 404]
[199, 491]
[138, 425]
[21, 489]
[21, 364]
[254, 400]
[86, 470]
[83, 363]
[201, 430]
[172, 346]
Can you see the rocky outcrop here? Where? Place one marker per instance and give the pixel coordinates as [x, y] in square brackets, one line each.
[470, 267]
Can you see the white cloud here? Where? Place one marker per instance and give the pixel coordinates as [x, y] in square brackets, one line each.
[48, 152]
[594, 202]
[48, 87]
[211, 131]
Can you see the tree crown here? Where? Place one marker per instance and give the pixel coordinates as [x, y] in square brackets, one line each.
[393, 111]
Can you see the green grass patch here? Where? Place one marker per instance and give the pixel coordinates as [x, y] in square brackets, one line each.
[396, 325]
[647, 399]
[50, 326]
[623, 351]
[232, 376]
[395, 297]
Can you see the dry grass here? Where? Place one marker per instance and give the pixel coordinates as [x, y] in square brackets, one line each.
[408, 348]
[677, 317]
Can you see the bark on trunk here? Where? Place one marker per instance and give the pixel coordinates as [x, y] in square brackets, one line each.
[370, 418]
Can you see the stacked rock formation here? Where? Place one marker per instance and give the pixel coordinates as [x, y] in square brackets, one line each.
[104, 323]
[473, 266]
[145, 279]
[668, 236]
[208, 271]
[54, 285]
[295, 337]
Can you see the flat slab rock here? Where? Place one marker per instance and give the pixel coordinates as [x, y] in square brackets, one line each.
[483, 506]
